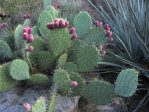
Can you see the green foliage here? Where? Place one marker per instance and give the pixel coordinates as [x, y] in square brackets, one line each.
[27, 22]
[19, 42]
[40, 105]
[87, 58]
[81, 84]
[99, 92]
[19, 70]
[59, 41]
[46, 17]
[62, 80]
[52, 105]
[70, 67]
[62, 60]
[83, 23]
[5, 51]
[126, 83]
[39, 79]
[45, 60]
[6, 82]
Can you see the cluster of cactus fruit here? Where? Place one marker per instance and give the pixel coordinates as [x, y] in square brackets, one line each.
[72, 51]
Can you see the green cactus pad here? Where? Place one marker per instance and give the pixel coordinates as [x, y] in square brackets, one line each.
[44, 18]
[126, 83]
[96, 36]
[19, 70]
[87, 58]
[70, 67]
[99, 92]
[59, 41]
[19, 42]
[39, 79]
[51, 10]
[83, 24]
[35, 31]
[45, 60]
[62, 80]
[6, 82]
[81, 84]
[40, 105]
[52, 106]
[5, 51]
[62, 60]
[27, 22]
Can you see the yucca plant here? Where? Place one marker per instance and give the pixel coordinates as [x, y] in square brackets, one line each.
[128, 20]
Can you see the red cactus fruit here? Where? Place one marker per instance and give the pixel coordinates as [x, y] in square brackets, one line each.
[97, 23]
[74, 36]
[62, 23]
[25, 16]
[30, 49]
[66, 23]
[72, 30]
[29, 30]
[25, 30]
[109, 34]
[100, 24]
[28, 16]
[50, 26]
[56, 24]
[30, 38]
[27, 107]
[107, 27]
[25, 36]
[73, 84]
[56, 20]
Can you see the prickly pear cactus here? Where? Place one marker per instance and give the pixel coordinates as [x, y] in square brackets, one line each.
[59, 41]
[62, 80]
[62, 60]
[126, 83]
[99, 92]
[6, 82]
[5, 51]
[52, 105]
[40, 105]
[83, 24]
[27, 22]
[45, 60]
[19, 42]
[46, 17]
[19, 70]
[87, 58]
[81, 84]
[70, 67]
[35, 31]
[39, 79]
[47, 3]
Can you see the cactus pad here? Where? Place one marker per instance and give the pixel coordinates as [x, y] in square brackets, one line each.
[52, 106]
[70, 67]
[19, 42]
[6, 82]
[45, 60]
[83, 24]
[126, 83]
[99, 92]
[39, 79]
[19, 70]
[27, 22]
[87, 58]
[5, 51]
[62, 60]
[40, 105]
[61, 79]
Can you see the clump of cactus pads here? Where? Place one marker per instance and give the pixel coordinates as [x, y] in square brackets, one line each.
[39, 79]
[62, 80]
[40, 105]
[87, 58]
[126, 83]
[99, 92]
[83, 23]
[19, 70]
[6, 82]
[5, 51]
